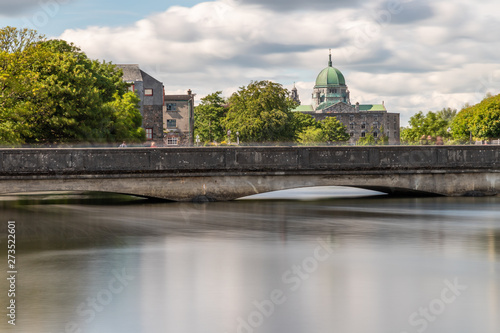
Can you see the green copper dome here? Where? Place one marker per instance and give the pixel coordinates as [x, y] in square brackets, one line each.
[330, 76]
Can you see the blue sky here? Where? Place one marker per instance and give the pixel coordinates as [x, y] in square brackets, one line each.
[412, 54]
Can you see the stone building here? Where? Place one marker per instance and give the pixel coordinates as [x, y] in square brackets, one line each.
[331, 98]
[179, 119]
[167, 119]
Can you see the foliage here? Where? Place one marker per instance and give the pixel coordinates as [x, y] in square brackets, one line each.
[311, 135]
[433, 123]
[261, 112]
[333, 130]
[482, 120]
[208, 118]
[50, 92]
[303, 122]
[327, 130]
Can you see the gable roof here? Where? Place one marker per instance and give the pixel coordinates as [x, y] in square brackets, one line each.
[131, 73]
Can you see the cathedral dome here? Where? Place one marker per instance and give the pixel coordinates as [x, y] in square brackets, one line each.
[330, 76]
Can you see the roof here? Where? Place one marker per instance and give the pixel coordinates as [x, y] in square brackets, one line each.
[303, 108]
[178, 97]
[131, 73]
[372, 107]
[330, 76]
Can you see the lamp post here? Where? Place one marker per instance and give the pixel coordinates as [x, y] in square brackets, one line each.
[238, 138]
[228, 137]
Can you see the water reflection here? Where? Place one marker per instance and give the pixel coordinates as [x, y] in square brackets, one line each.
[343, 265]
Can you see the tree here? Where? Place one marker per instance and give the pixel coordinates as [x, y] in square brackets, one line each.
[481, 121]
[433, 123]
[303, 122]
[334, 130]
[328, 130]
[50, 92]
[13, 40]
[261, 112]
[209, 118]
[311, 135]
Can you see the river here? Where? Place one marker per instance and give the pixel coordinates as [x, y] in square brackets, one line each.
[314, 260]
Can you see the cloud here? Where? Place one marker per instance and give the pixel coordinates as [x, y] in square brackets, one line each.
[288, 5]
[413, 59]
[10, 8]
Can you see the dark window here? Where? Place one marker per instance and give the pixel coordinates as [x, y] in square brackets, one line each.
[375, 134]
[362, 134]
[172, 141]
[171, 107]
[171, 123]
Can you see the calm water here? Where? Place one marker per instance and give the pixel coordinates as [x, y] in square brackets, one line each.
[350, 265]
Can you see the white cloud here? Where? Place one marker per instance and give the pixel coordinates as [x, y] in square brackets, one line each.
[443, 56]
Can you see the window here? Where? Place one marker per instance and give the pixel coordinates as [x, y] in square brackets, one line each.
[376, 118]
[363, 134]
[351, 118]
[351, 134]
[388, 134]
[396, 135]
[363, 126]
[148, 92]
[171, 123]
[172, 141]
[352, 125]
[131, 88]
[375, 134]
[149, 134]
[171, 107]
[375, 125]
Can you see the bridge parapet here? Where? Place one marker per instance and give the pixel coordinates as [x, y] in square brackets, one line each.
[223, 159]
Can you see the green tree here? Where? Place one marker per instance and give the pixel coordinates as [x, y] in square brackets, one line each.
[303, 122]
[209, 118]
[50, 92]
[482, 120]
[433, 124]
[261, 112]
[334, 130]
[311, 135]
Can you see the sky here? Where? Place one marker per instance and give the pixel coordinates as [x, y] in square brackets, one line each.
[415, 55]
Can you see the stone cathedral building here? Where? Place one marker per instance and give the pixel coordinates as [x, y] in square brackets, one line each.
[331, 98]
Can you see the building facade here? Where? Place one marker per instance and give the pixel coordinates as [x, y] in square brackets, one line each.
[167, 119]
[331, 98]
[179, 119]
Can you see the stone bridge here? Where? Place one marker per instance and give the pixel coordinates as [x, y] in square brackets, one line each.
[227, 173]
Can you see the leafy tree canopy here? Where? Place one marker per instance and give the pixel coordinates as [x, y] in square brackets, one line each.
[261, 112]
[208, 118]
[50, 92]
[433, 123]
[482, 120]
